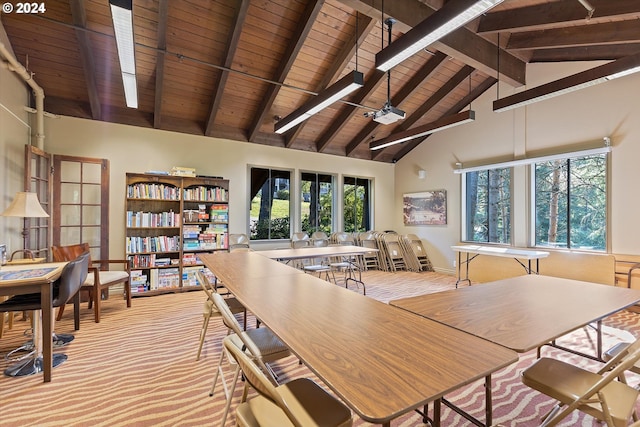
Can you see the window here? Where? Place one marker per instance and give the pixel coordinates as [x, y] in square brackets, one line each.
[270, 207]
[356, 204]
[316, 202]
[487, 204]
[571, 203]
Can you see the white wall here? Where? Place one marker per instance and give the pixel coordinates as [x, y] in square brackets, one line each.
[581, 118]
[132, 149]
[15, 131]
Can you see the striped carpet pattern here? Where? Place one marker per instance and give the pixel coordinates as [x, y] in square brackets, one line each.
[138, 368]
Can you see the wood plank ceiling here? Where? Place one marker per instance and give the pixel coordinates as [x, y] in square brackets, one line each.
[230, 68]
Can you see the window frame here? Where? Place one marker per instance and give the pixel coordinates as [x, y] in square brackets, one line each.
[369, 191]
[300, 201]
[251, 197]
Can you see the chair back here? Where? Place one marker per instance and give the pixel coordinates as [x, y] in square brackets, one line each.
[343, 238]
[238, 241]
[319, 239]
[612, 370]
[257, 378]
[300, 240]
[73, 276]
[69, 253]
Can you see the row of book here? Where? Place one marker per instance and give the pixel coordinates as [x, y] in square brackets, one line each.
[145, 190]
[149, 280]
[208, 194]
[153, 219]
[152, 244]
[219, 213]
[150, 260]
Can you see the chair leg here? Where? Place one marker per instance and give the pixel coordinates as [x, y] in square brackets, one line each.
[203, 332]
[97, 299]
[230, 397]
[218, 374]
[60, 311]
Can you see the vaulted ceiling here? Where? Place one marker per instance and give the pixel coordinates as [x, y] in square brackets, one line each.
[231, 68]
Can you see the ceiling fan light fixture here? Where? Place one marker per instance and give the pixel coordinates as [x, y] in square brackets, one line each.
[122, 16]
[424, 130]
[603, 73]
[453, 15]
[343, 87]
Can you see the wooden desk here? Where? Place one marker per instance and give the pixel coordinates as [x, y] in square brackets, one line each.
[380, 360]
[525, 312]
[35, 278]
[472, 251]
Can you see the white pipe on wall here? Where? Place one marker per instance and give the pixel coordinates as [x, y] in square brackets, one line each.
[38, 92]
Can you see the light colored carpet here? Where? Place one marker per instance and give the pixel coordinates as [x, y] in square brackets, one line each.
[138, 368]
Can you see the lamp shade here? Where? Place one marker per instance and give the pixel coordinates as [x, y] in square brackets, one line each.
[25, 205]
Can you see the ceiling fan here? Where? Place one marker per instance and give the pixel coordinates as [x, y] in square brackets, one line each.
[388, 114]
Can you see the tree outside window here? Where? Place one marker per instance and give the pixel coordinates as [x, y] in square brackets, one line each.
[571, 203]
[488, 206]
[316, 202]
[357, 204]
[270, 206]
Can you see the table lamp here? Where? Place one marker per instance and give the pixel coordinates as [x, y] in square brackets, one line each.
[25, 205]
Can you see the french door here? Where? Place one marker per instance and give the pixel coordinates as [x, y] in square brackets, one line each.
[81, 203]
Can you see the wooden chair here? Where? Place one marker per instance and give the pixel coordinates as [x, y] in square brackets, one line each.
[261, 343]
[300, 402]
[595, 393]
[210, 309]
[98, 280]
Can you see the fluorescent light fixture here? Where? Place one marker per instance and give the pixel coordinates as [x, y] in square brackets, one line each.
[121, 13]
[352, 81]
[453, 15]
[532, 160]
[417, 132]
[603, 73]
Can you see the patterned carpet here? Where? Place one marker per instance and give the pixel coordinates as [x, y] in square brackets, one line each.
[138, 368]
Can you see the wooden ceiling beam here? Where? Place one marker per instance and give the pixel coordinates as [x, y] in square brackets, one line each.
[586, 53]
[365, 26]
[583, 35]
[79, 17]
[462, 44]
[407, 89]
[433, 100]
[467, 100]
[349, 111]
[232, 47]
[556, 14]
[163, 12]
[286, 62]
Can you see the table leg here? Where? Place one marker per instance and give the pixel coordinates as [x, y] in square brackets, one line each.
[47, 333]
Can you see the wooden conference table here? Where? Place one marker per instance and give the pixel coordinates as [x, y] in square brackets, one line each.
[524, 312]
[35, 278]
[380, 360]
[472, 251]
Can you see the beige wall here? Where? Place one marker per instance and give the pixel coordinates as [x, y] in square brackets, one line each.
[15, 131]
[131, 149]
[581, 118]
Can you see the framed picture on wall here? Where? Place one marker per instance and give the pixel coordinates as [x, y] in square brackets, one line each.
[426, 208]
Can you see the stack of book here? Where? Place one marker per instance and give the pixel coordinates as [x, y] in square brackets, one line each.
[180, 171]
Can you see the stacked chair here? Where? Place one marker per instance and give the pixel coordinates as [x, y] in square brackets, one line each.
[416, 254]
[392, 253]
[367, 239]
